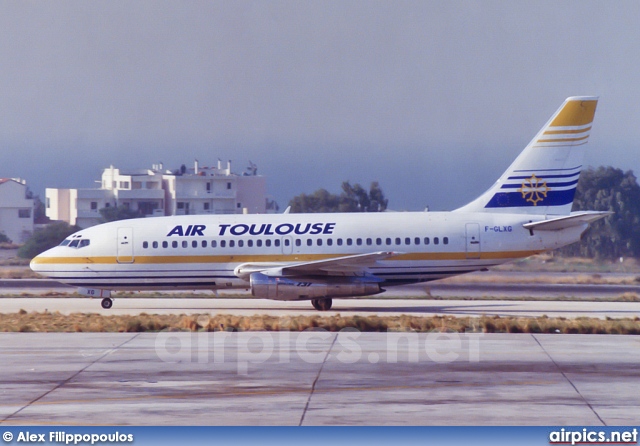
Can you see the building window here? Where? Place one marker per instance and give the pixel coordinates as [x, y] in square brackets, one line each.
[24, 213]
[206, 205]
[208, 187]
[228, 186]
[239, 205]
[180, 205]
[94, 205]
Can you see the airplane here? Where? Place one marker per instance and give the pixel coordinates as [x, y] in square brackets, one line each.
[318, 257]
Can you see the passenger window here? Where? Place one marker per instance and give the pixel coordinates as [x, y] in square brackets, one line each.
[369, 241]
[426, 240]
[174, 244]
[287, 242]
[445, 240]
[84, 243]
[398, 241]
[388, 241]
[309, 242]
[185, 244]
[194, 244]
[436, 240]
[223, 243]
[145, 245]
[329, 242]
[165, 244]
[232, 243]
[240, 243]
[250, 243]
[339, 242]
[349, 242]
[319, 242]
[298, 242]
[358, 241]
[276, 242]
[378, 241]
[214, 243]
[204, 243]
[258, 243]
[407, 241]
[155, 245]
[416, 240]
[267, 242]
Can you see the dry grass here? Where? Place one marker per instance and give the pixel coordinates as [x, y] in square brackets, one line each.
[87, 322]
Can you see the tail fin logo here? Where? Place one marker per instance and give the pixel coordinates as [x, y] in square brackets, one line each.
[534, 190]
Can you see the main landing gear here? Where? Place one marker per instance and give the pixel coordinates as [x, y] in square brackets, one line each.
[322, 304]
[108, 303]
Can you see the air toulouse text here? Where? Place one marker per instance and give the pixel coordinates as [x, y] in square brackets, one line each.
[256, 229]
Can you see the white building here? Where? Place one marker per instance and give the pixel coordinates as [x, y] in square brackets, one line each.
[16, 210]
[156, 191]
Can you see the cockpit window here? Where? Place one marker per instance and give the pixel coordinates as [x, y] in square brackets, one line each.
[76, 243]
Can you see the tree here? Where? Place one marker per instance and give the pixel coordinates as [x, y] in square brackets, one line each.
[46, 238]
[113, 213]
[608, 189]
[352, 199]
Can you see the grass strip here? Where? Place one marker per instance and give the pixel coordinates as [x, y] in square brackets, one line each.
[96, 323]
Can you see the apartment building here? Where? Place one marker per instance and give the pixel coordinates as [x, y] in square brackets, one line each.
[16, 209]
[157, 192]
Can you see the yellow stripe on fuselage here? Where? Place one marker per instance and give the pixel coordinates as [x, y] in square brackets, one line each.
[160, 260]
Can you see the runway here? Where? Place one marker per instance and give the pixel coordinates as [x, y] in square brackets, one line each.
[345, 307]
[318, 378]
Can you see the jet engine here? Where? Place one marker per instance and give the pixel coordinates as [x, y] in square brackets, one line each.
[282, 288]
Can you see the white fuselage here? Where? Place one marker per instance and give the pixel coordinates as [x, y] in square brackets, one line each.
[204, 251]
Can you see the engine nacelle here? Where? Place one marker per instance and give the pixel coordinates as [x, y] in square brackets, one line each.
[281, 288]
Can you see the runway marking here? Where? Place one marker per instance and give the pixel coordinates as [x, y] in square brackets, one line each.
[315, 381]
[62, 383]
[568, 380]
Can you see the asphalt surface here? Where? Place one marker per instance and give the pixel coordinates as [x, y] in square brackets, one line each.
[318, 378]
[345, 307]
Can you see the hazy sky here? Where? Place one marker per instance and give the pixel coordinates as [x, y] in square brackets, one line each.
[433, 99]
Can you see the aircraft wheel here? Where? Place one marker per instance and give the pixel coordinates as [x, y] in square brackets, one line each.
[107, 303]
[322, 304]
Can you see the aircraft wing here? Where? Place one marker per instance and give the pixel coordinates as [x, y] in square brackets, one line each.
[336, 266]
[575, 219]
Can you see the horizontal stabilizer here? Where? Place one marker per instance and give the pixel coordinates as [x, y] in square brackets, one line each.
[570, 221]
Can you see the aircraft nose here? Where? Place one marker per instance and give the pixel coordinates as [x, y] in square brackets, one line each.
[37, 264]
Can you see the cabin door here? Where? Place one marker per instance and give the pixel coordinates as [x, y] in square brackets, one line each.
[125, 245]
[473, 240]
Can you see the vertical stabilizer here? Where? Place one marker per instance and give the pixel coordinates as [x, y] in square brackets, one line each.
[544, 177]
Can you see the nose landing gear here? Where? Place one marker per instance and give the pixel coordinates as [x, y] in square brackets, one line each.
[106, 303]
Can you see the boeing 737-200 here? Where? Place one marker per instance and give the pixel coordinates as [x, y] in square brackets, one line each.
[318, 257]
